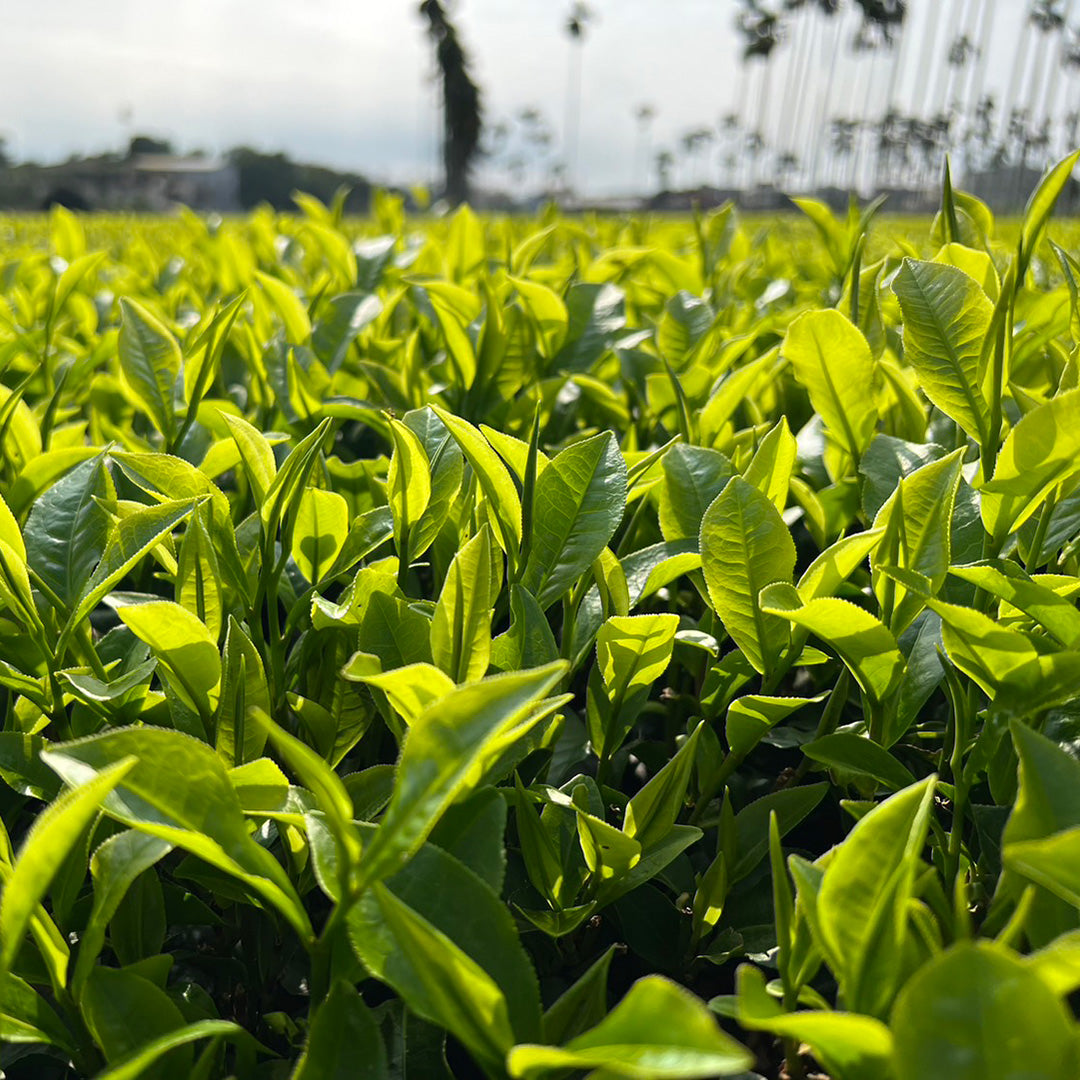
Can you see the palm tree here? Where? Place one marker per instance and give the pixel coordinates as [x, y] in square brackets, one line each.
[802, 109]
[1010, 112]
[887, 141]
[939, 98]
[693, 143]
[730, 128]
[977, 82]
[575, 26]
[765, 25]
[797, 56]
[537, 138]
[1053, 79]
[761, 30]
[755, 146]
[1071, 63]
[978, 135]
[962, 52]
[764, 100]
[926, 60]
[1049, 19]
[462, 115]
[817, 134]
[665, 162]
[644, 115]
[787, 165]
[842, 134]
[735, 123]
[870, 44]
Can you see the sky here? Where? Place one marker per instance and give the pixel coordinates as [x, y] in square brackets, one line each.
[348, 82]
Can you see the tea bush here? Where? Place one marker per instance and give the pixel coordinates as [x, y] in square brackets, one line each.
[496, 648]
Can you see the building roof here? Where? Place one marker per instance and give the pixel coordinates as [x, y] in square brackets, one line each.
[171, 163]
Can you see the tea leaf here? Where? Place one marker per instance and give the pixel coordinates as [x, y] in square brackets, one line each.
[946, 318]
[832, 360]
[344, 1041]
[866, 887]
[847, 1043]
[150, 362]
[67, 530]
[658, 1029]
[442, 983]
[745, 546]
[131, 538]
[988, 996]
[445, 752]
[178, 791]
[115, 865]
[580, 499]
[319, 532]
[51, 837]
[461, 625]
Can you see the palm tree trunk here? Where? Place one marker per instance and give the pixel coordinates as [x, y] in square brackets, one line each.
[1019, 67]
[796, 61]
[803, 109]
[960, 104]
[967, 25]
[864, 84]
[926, 57]
[977, 84]
[742, 110]
[752, 96]
[982, 58]
[462, 113]
[1035, 77]
[1031, 94]
[940, 98]
[818, 133]
[764, 100]
[573, 113]
[1053, 81]
[883, 161]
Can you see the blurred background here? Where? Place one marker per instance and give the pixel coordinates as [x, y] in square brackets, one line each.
[619, 104]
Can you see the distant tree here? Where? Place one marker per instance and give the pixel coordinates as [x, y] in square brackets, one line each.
[978, 135]
[787, 165]
[961, 51]
[842, 135]
[522, 146]
[272, 178]
[665, 162]
[148, 144]
[462, 113]
[269, 178]
[644, 114]
[5, 159]
[761, 29]
[694, 143]
[1047, 15]
[886, 15]
[538, 139]
[763, 24]
[65, 197]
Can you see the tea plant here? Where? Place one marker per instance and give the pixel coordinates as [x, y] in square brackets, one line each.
[500, 648]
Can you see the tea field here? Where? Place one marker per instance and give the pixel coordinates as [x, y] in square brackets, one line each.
[453, 648]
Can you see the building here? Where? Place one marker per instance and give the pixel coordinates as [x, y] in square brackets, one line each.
[150, 182]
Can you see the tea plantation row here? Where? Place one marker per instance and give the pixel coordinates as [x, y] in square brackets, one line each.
[527, 649]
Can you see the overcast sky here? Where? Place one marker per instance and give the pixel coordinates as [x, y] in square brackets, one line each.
[347, 82]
